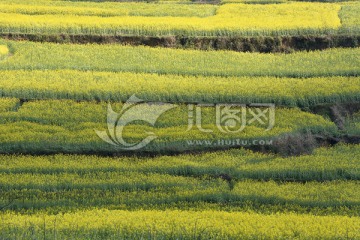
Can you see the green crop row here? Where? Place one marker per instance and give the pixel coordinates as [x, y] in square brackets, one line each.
[8, 104]
[130, 181]
[107, 86]
[325, 164]
[208, 181]
[66, 192]
[221, 180]
[349, 15]
[66, 126]
[115, 58]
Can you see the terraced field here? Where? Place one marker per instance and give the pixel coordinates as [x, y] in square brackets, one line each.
[31, 129]
[120, 141]
[132, 188]
[230, 19]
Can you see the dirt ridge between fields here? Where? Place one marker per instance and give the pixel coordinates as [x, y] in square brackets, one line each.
[263, 44]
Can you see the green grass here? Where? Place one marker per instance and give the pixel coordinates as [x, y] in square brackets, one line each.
[114, 58]
[325, 164]
[352, 125]
[115, 87]
[71, 192]
[349, 15]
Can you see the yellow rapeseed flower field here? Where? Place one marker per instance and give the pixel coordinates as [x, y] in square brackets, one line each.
[230, 19]
[4, 50]
[60, 179]
[175, 224]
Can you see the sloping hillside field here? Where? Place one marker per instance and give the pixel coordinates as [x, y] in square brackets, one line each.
[179, 119]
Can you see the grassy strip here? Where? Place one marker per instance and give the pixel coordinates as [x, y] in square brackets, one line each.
[69, 182]
[34, 128]
[102, 180]
[66, 192]
[325, 164]
[178, 224]
[114, 58]
[107, 86]
[349, 15]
